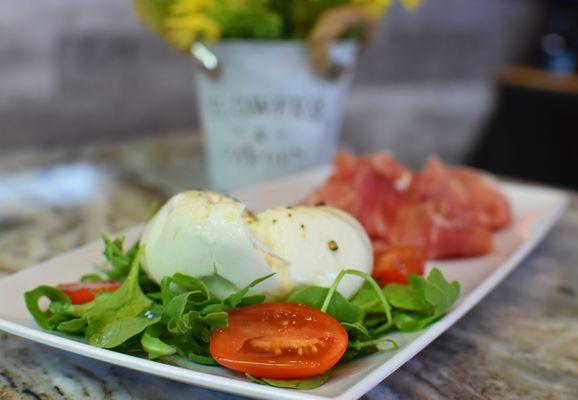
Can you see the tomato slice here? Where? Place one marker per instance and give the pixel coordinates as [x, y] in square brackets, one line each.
[84, 292]
[397, 262]
[279, 341]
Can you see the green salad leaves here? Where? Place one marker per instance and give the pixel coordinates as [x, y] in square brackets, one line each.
[142, 317]
[374, 311]
[178, 316]
[114, 317]
[422, 301]
[108, 321]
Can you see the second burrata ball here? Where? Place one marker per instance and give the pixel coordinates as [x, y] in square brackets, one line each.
[311, 245]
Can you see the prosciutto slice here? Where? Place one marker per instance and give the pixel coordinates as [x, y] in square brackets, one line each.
[449, 211]
[370, 188]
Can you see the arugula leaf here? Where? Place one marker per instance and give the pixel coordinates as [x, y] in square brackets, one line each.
[175, 315]
[196, 352]
[366, 299]
[251, 300]
[201, 359]
[357, 330]
[114, 317]
[361, 341]
[439, 293]
[76, 326]
[423, 301]
[406, 297]
[120, 263]
[300, 384]
[199, 292]
[120, 260]
[412, 322]
[48, 319]
[215, 320]
[366, 344]
[132, 345]
[339, 307]
[213, 308]
[167, 293]
[235, 299]
[153, 345]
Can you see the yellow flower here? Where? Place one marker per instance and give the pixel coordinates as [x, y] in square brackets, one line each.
[188, 6]
[379, 7]
[375, 7]
[188, 22]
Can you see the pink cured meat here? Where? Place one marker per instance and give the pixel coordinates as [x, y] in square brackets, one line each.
[419, 224]
[366, 187]
[485, 203]
[450, 211]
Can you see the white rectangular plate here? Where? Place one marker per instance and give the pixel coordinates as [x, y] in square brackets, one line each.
[535, 211]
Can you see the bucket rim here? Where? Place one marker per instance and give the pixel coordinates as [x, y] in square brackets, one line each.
[257, 44]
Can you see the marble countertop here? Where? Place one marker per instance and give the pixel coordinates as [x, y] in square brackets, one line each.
[521, 342]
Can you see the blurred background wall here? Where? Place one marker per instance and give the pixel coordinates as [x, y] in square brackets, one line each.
[77, 71]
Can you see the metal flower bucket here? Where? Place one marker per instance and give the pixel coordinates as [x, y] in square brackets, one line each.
[265, 112]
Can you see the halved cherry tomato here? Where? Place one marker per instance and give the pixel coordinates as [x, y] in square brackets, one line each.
[279, 341]
[397, 262]
[83, 292]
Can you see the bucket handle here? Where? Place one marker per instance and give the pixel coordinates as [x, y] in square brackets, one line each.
[330, 27]
[206, 59]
